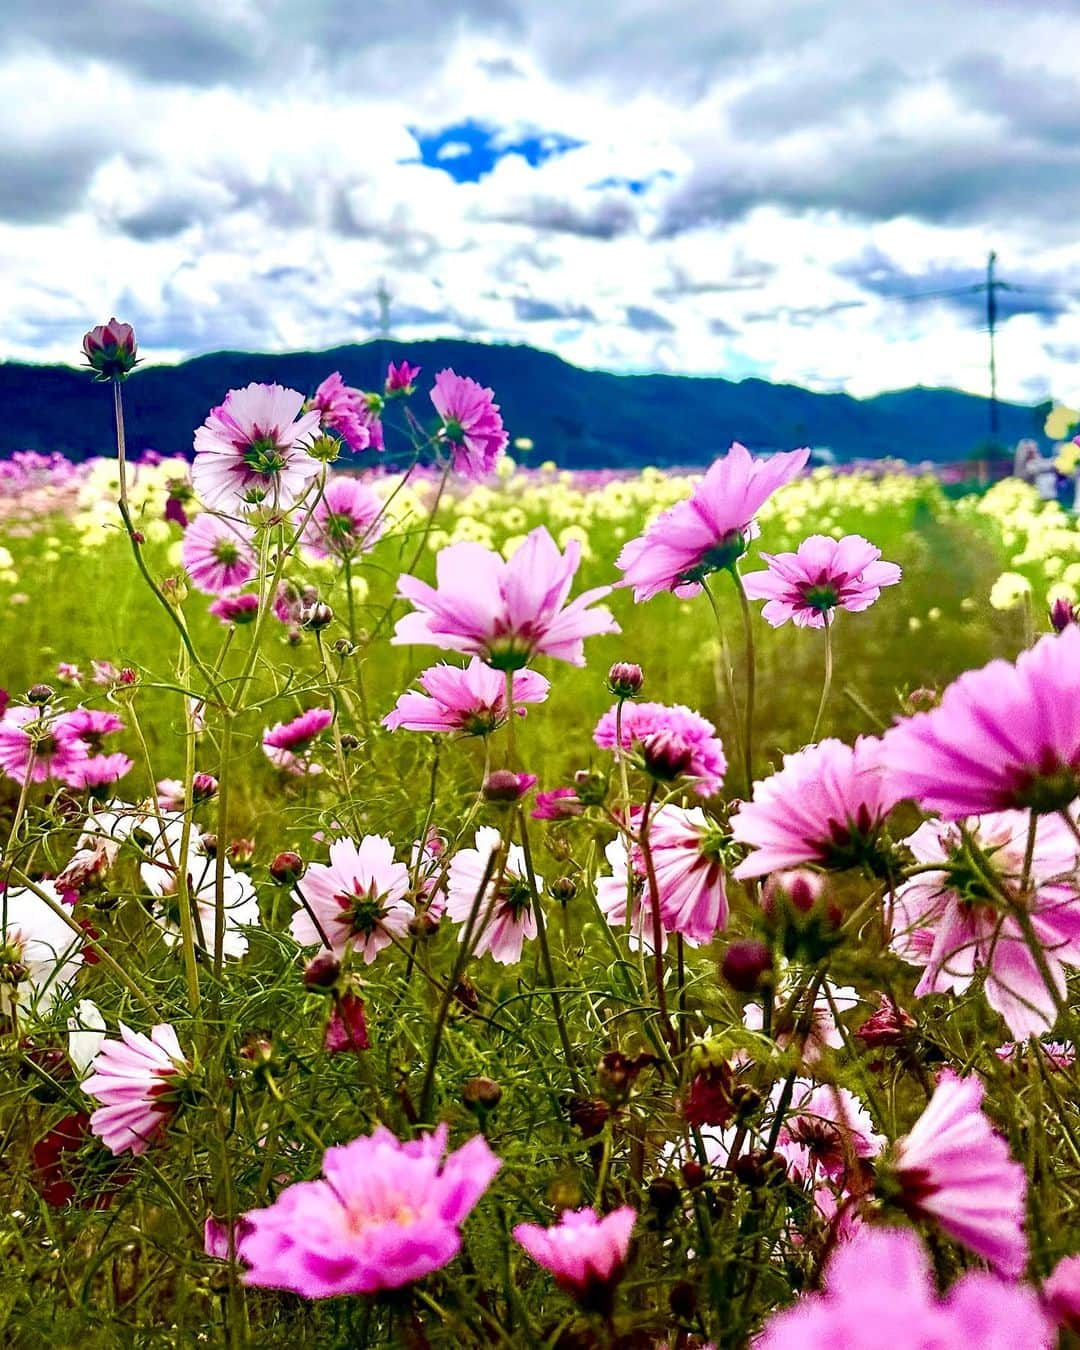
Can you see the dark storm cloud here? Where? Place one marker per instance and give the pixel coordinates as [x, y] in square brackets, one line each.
[44, 183]
[1034, 102]
[776, 107]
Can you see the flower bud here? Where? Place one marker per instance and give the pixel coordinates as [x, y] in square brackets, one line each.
[693, 1174]
[39, 693]
[506, 787]
[287, 868]
[563, 889]
[203, 787]
[921, 700]
[481, 1095]
[591, 787]
[325, 448]
[343, 647]
[350, 742]
[1062, 614]
[175, 590]
[240, 852]
[747, 966]
[316, 617]
[799, 889]
[663, 1197]
[322, 971]
[708, 1102]
[110, 350]
[588, 1114]
[209, 845]
[890, 1025]
[666, 756]
[683, 1301]
[625, 679]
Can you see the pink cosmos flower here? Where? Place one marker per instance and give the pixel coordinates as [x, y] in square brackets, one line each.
[98, 771]
[711, 529]
[252, 450]
[217, 553]
[383, 1215]
[1061, 1293]
[826, 1130]
[344, 410]
[507, 613]
[879, 1291]
[68, 673]
[238, 609]
[948, 922]
[137, 1080]
[401, 378]
[671, 742]
[357, 900]
[428, 869]
[614, 891]
[826, 805]
[1057, 1055]
[345, 520]
[287, 744]
[471, 701]
[585, 1253]
[219, 1235]
[35, 741]
[561, 803]
[687, 853]
[953, 1168]
[1006, 736]
[823, 574]
[822, 1032]
[39, 953]
[471, 423]
[505, 918]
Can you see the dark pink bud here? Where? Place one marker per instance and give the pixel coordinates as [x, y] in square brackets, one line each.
[799, 889]
[287, 868]
[110, 350]
[505, 786]
[203, 787]
[1062, 613]
[890, 1025]
[625, 679]
[709, 1100]
[347, 1028]
[747, 966]
[322, 971]
[401, 379]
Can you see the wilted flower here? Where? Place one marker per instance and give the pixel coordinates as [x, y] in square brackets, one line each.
[346, 1028]
[345, 1235]
[507, 613]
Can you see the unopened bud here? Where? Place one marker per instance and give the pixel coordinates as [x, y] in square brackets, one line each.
[625, 679]
[322, 971]
[316, 617]
[110, 350]
[506, 787]
[663, 1197]
[350, 742]
[693, 1174]
[241, 851]
[209, 845]
[1062, 614]
[683, 1300]
[325, 448]
[287, 868]
[799, 889]
[39, 693]
[481, 1095]
[890, 1025]
[203, 787]
[563, 889]
[747, 966]
[591, 787]
[175, 590]
[921, 700]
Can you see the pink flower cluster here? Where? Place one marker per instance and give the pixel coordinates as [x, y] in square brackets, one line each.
[39, 743]
[672, 742]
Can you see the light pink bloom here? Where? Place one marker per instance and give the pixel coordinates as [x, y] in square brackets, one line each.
[1057, 1054]
[585, 1253]
[471, 701]
[252, 450]
[69, 673]
[671, 742]
[287, 745]
[822, 1032]
[428, 868]
[612, 893]
[505, 917]
[471, 425]
[344, 410]
[386, 1214]
[105, 673]
[953, 1168]
[825, 805]
[507, 613]
[136, 1079]
[38, 743]
[1006, 736]
[98, 771]
[358, 900]
[41, 954]
[1061, 1293]
[217, 553]
[219, 1235]
[345, 519]
[879, 1292]
[687, 854]
[823, 574]
[947, 921]
[401, 378]
[711, 529]
[826, 1130]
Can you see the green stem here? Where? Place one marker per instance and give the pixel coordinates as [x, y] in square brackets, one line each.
[827, 685]
[657, 925]
[751, 677]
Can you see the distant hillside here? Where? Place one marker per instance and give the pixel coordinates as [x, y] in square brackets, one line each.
[581, 418]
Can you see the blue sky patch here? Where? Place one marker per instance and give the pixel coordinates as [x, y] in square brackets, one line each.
[468, 150]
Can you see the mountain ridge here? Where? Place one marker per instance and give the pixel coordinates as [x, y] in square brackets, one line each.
[579, 418]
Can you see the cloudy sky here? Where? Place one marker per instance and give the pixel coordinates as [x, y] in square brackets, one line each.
[706, 186]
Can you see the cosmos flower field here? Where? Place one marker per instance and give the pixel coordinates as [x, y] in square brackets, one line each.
[467, 904]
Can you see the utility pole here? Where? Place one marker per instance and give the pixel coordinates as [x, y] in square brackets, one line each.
[991, 323]
[383, 297]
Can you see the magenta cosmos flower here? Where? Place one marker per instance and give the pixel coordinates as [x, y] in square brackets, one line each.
[670, 741]
[585, 1253]
[826, 1130]
[382, 1215]
[357, 900]
[880, 1291]
[346, 411]
[823, 574]
[138, 1080]
[471, 424]
[948, 922]
[506, 613]
[238, 609]
[711, 529]
[471, 701]
[345, 520]
[1006, 736]
[253, 450]
[688, 858]
[954, 1169]
[38, 744]
[825, 805]
[287, 745]
[217, 553]
[401, 379]
[505, 917]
